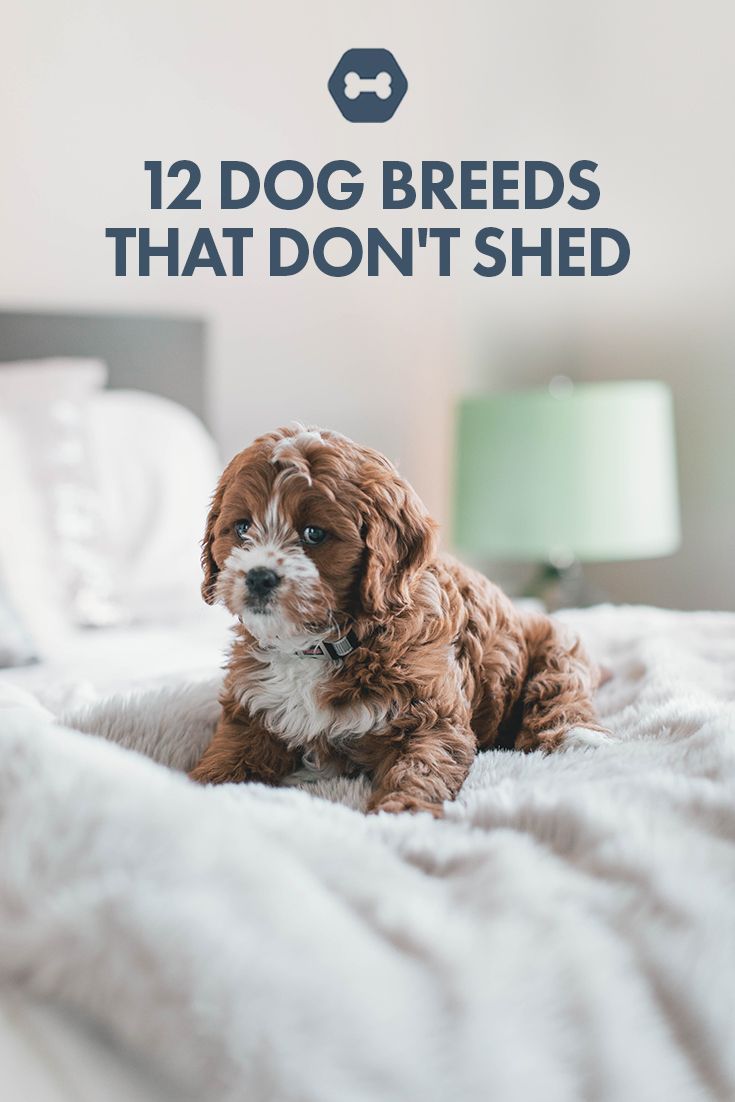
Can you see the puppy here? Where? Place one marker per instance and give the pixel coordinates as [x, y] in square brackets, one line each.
[358, 647]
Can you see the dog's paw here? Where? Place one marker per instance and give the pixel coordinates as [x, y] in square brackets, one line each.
[396, 802]
[586, 738]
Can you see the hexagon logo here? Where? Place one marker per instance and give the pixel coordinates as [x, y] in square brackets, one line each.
[367, 85]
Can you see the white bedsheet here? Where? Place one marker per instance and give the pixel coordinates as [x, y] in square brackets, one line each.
[91, 664]
[567, 932]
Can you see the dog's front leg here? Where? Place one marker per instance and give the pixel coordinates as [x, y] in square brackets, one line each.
[243, 750]
[428, 767]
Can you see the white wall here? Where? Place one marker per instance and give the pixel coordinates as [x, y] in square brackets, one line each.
[89, 90]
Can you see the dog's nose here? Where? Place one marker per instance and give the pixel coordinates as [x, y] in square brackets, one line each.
[261, 581]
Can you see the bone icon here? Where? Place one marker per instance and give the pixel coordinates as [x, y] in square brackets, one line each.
[355, 85]
[367, 85]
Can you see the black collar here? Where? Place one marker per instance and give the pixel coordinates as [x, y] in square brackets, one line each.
[337, 650]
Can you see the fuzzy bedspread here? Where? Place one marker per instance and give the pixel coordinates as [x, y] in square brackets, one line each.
[566, 932]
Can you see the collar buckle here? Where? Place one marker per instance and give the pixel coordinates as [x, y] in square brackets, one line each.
[337, 650]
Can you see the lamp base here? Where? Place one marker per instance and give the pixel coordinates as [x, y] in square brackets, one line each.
[562, 587]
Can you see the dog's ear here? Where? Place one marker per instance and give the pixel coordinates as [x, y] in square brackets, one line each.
[209, 566]
[400, 539]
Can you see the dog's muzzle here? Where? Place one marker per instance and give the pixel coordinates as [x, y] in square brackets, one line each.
[261, 582]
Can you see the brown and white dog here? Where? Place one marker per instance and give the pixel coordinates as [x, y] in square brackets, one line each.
[359, 648]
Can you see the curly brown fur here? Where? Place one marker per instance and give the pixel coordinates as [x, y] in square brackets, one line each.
[446, 665]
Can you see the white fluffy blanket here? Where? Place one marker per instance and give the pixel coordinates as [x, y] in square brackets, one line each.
[566, 932]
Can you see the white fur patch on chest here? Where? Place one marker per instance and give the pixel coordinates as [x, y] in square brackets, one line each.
[286, 693]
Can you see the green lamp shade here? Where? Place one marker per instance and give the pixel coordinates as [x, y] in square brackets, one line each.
[583, 472]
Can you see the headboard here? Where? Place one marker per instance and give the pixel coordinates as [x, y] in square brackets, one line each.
[163, 355]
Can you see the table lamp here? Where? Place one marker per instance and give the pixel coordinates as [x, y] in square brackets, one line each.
[566, 475]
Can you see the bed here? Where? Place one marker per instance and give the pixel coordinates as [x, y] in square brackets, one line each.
[47, 1052]
[567, 931]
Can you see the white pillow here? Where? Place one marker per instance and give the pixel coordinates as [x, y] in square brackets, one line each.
[46, 403]
[156, 468]
[16, 645]
[32, 586]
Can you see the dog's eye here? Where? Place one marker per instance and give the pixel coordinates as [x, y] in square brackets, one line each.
[313, 535]
[241, 528]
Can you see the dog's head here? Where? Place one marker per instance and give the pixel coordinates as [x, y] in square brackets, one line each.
[308, 532]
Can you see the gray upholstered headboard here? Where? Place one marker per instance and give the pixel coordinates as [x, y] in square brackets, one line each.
[163, 355]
